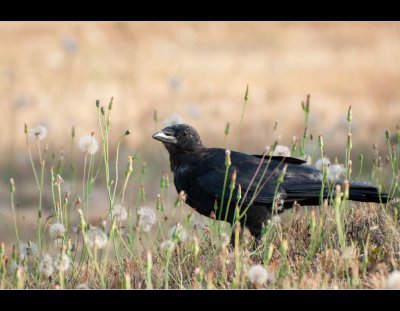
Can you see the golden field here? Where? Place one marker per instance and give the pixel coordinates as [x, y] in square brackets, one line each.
[52, 73]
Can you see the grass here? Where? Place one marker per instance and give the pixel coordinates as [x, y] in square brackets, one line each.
[340, 244]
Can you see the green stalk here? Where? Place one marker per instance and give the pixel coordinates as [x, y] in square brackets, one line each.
[30, 156]
[392, 157]
[128, 172]
[39, 218]
[127, 132]
[337, 204]
[324, 171]
[278, 184]
[231, 188]
[227, 165]
[226, 132]
[83, 185]
[306, 110]
[259, 186]
[254, 177]
[12, 190]
[246, 98]
[361, 165]
[149, 267]
[349, 143]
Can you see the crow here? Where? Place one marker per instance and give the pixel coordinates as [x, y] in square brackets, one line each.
[269, 184]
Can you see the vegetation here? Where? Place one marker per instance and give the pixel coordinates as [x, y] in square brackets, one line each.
[340, 244]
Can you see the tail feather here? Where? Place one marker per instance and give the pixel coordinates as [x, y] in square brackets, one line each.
[364, 192]
[309, 193]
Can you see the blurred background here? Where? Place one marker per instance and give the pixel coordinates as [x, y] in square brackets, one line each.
[196, 72]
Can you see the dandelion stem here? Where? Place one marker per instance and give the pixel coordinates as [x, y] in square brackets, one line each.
[246, 98]
[12, 190]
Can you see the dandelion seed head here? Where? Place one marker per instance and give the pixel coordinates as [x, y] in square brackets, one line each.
[61, 263]
[258, 275]
[324, 162]
[178, 233]
[15, 266]
[275, 220]
[336, 171]
[119, 212]
[59, 180]
[393, 280]
[282, 151]
[225, 238]
[200, 226]
[96, 238]
[146, 218]
[173, 119]
[28, 249]
[38, 132]
[349, 253]
[88, 144]
[57, 230]
[167, 246]
[46, 265]
[307, 158]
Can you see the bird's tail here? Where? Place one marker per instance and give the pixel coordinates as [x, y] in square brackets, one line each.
[308, 193]
[363, 192]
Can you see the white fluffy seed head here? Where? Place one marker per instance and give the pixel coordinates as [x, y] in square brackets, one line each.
[282, 151]
[88, 144]
[349, 253]
[15, 266]
[172, 119]
[146, 218]
[57, 230]
[393, 280]
[200, 226]
[61, 263]
[119, 212]
[275, 220]
[167, 246]
[46, 265]
[28, 249]
[96, 238]
[38, 132]
[307, 158]
[336, 171]
[225, 238]
[258, 275]
[324, 162]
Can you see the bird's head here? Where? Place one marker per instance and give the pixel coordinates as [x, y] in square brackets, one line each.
[179, 137]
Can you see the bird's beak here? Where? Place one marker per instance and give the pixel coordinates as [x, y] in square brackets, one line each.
[164, 137]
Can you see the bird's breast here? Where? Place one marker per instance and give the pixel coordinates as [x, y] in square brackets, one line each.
[182, 178]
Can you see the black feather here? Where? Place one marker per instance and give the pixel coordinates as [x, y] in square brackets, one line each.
[200, 172]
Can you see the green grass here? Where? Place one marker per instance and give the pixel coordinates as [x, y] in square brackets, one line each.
[340, 244]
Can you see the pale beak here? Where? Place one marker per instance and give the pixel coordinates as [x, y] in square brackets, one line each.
[162, 136]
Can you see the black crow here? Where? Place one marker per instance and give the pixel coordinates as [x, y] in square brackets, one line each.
[200, 172]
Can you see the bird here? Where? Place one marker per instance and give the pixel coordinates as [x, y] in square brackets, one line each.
[268, 184]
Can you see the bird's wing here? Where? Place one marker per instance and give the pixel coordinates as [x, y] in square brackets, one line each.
[301, 183]
[211, 178]
[280, 159]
